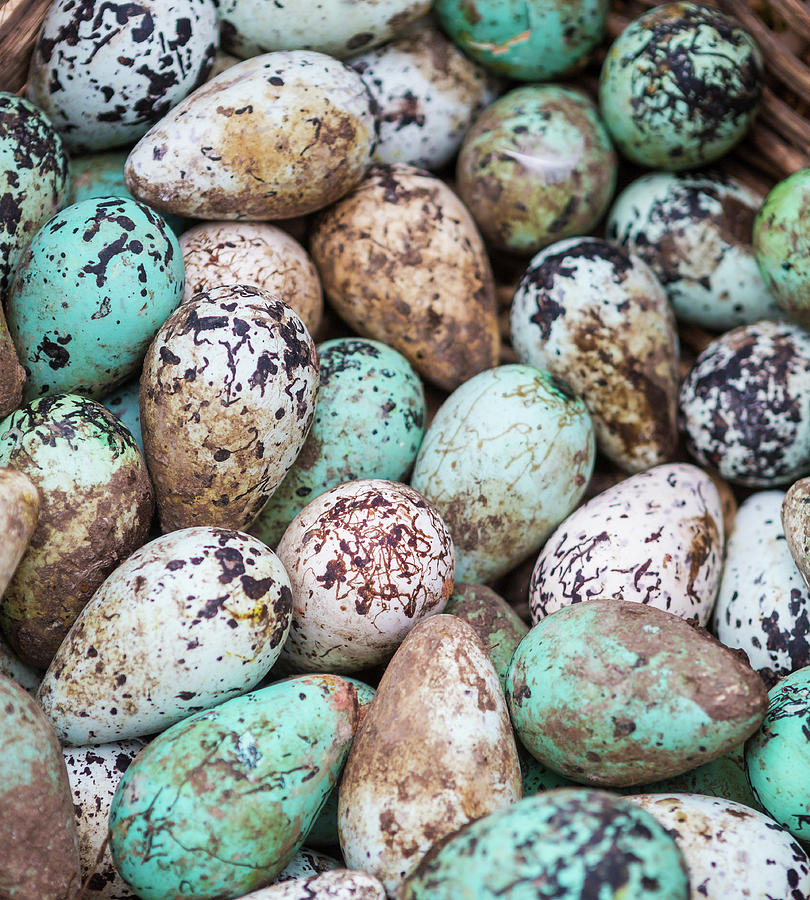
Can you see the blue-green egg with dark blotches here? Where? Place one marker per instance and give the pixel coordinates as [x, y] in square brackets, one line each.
[96, 283]
[124, 402]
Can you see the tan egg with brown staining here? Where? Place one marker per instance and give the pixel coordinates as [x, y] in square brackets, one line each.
[436, 751]
[12, 374]
[796, 522]
[19, 511]
[401, 260]
[276, 136]
[217, 253]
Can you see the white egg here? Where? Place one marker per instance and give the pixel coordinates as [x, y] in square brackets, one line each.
[337, 884]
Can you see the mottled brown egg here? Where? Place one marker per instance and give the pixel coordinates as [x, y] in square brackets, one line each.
[12, 374]
[19, 511]
[217, 253]
[401, 260]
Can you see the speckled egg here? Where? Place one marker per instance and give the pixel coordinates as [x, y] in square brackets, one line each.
[189, 620]
[244, 780]
[367, 560]
[596, 316]
[379, 440]
[638, 694]
[210, 157]
[507, 457]
[427, 92]
[440, 706]
[762, 605]
[732, 852]
[570, 843]
[680, 86]
[124, 402]
[34, 178]
[694, 230]
[305, 863]
[39, 853]
[91, 291]
[796, 524]
[19, 513]
[530, 40]
[217, 253]
[654, 538]
[105, 72]
[227, 397]
[744, 405]
[94, 773]
[536, 166]
[94, 511]
[402, 262]
[250, 27]
[338, 884]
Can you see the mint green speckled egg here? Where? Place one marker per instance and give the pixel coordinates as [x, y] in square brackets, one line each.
[569, 843]
[217, 805]
[680, 86]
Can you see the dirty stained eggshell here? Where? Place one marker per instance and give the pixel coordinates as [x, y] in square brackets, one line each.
[105, 72]
[193, 618]
[12, 379]
[276, 136]
[227, 397]
[596, 316]
[367, 560]
[19, 513]
[655, 538]
[796, 524]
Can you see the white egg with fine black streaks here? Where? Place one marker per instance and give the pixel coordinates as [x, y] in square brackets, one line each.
[306, 863]
[732, 852]
[336, 884]
[190, 620]
[227, 398]
[105, 72]
[367, 560]
[94, 773]
[655, 538]
[763, 603]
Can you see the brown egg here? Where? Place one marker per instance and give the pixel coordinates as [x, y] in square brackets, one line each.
[19, 511]
[402, 261]
[12, 374]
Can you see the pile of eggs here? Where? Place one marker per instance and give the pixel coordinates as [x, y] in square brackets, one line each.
[367, 531]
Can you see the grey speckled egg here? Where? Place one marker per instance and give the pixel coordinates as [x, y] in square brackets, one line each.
[105, 72]
[189, 620]
[654, 538]
[428, 93]
[694, 230]
[745, 405]
[596, 316]
[762, 605]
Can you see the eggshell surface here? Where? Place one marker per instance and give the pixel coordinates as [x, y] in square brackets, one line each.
[19, 512]
[796, 524]
[339, 884]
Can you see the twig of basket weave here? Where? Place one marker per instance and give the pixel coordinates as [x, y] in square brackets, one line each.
[19, 25]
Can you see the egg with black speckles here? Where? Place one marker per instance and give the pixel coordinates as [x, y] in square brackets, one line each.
[306, 863]
[336, 884]
[104, 73]
[219, 602]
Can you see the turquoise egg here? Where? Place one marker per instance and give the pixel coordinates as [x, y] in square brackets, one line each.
[531, 40]
[369, 423]
[217, 805]
[96, 283]
[778, 755]
[680, 86]
[568, 843]
[124, 402]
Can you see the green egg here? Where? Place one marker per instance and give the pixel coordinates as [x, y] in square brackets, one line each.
[217, 805]
[568, 843]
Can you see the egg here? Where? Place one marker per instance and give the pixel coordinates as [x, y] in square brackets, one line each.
[39, 853]
[12, 378]
[597, 317]
[124, 403]
[680, 86]
[731, 851]
[95, 508]
[14, 668]
[367, 560]
[19, 513]
[638, 694]
[428, 93]
[402, 262]
[379, 440]
[796, 525]
[227, 397]
[536, 166]
[569, 842]
[694, 230]
[244, 780]
[506, 458]
[250, 27]
[91, 291]
[744, 405]
[339, 884]
[193, 618]
[105, 73]
[305, 863]
[217, 253]
[210, 157]
[439, 705]
[656, 538]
